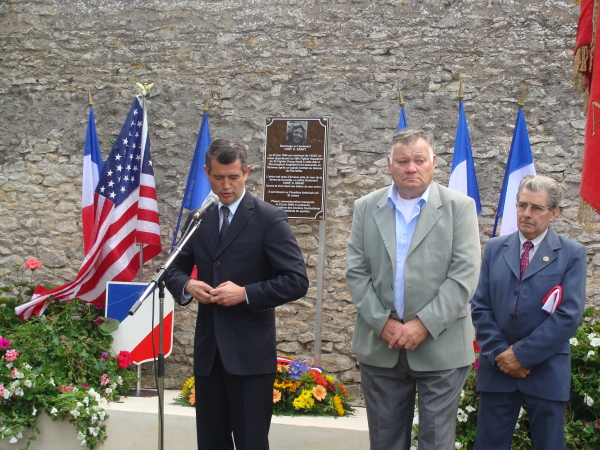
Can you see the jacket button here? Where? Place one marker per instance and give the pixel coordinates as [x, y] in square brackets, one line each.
[217, 263]
[512, 316]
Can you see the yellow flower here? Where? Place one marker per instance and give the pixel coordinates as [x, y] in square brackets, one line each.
[337, 402]
[330, 378]
[276, 395]
[192, 397]
[319, 392]
[293, 387]
[189, 383]
[304, 400]
[279, 384]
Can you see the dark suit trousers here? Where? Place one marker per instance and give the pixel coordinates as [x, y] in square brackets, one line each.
[498, 414]
[226, 404]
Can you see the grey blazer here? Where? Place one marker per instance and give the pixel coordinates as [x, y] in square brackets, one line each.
[440, 275]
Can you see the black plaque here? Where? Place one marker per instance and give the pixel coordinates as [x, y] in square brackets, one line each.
[295, 173]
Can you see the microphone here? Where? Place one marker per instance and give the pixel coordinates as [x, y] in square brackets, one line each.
[210, 201]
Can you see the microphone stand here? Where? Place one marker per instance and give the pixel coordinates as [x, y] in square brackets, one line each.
[159, 280]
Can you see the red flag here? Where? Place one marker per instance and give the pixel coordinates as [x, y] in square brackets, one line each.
[126, 214]
[590, 182]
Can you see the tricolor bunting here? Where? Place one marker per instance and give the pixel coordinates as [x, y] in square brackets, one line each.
[197, 187]
[92, 168]
[126, 215]
[519, 164]
[462, 177]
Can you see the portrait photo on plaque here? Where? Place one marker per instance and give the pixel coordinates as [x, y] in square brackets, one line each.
[296, 132]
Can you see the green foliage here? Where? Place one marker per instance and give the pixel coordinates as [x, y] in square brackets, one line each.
[59, 363]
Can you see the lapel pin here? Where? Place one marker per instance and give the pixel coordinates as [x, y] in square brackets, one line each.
[546, 258]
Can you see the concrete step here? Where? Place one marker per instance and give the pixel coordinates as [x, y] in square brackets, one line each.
[133, 425]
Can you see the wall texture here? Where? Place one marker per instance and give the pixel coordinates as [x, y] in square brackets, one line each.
[340, 58]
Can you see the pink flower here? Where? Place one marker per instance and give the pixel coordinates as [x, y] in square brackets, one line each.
[32, 264]
[85, 385]
[104, 380]
[124, 359]
[4, 343]
[98, 320]
[65, 388]
[11, 355]
[476, 365]
[105, 355]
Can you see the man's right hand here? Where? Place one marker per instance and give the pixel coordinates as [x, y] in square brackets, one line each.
[199, 290]
[390, 329]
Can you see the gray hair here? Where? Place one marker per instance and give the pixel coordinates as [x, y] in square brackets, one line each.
[537, 183]
[226, 151]
[408, 136]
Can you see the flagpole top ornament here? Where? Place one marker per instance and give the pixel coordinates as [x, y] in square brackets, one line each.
[522, 99]
[400, 98]
[461, 93]
[144, 88]
[206, 105]
[90, 101]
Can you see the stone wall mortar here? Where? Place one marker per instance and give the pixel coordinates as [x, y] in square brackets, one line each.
[343, 59]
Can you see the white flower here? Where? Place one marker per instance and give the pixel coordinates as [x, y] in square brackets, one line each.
[588, 400]
[461, 415]
[102, 403]
[7, 393]
[521, 412]
[75, 413]
[52, 382]
[19, 392]
[458, 445]
[75, 388]
[102, 414]
[595, 342]
[9, 365]
[113, 385]
[13, 440]
[53, 411]
[27, 383]
[590, 354]
[19, 435]
[416, 419]
[573, 341]
[83, 443]
[470, 409]
[34, 412]
[120, 380]
[86, 400]
[80, 436]
[93, 431]
[94, 418]
[108, 390]
[591, 336]
[26, 366]
[79, 405]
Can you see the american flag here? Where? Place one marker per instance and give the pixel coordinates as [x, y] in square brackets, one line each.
[126, 214]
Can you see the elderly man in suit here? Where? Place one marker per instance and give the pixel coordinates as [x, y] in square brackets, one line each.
[525, 352]
[248, 263]
[412, 265]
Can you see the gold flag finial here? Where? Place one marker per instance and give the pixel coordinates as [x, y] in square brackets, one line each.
[206, 105]
[522, 99]
[461, 93]
[400, 98]
[90, 101]
[144, 88]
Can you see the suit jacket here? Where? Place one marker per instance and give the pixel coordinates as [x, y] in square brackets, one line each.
[258, 252]
[440, 276]
[540, 341]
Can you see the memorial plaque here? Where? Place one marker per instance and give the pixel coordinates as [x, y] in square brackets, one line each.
[295, 172]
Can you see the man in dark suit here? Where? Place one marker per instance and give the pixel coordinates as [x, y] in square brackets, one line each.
[525, 351]
[248, 263]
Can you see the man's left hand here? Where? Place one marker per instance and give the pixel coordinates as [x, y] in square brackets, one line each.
[410, 335]
[508, 363]
[228, 294]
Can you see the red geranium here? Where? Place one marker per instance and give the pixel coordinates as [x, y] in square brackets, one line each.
[124, 359]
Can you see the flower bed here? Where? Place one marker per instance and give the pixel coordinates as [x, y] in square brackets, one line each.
[299, 389]
[60, 364]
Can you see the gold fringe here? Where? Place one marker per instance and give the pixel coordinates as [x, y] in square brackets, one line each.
[582, 65]
[587, 216]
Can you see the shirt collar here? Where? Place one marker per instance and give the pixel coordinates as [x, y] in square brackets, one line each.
[394, 197]
[535, 241]
[234, 206]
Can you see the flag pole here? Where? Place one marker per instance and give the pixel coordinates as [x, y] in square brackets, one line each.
[400, 98]
[90, 101]
[461, 93]
[522, 99]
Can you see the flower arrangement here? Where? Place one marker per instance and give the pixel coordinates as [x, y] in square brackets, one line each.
[582, 415]
[60, 364]
[299, 389]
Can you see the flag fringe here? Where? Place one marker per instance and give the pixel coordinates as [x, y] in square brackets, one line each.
[587, 216]
[582, 69]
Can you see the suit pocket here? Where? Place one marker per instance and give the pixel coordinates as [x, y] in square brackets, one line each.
[550, 277]
[439, 254]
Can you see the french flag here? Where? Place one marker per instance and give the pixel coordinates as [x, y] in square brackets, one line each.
[92, 168]
[462, 176]
[520, 164]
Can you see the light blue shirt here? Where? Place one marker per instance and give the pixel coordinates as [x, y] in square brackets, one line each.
[405, 228]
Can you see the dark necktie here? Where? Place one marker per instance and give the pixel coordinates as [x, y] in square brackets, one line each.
[225, 224]
[527, 245]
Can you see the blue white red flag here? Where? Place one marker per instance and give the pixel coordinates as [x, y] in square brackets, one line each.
[126, 215]
[92, 168]
[197, 187]
[462, 177]
[519, 164]
[139, 333]
[402, 123]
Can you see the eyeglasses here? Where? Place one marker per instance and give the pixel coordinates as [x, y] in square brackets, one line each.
[535, 209]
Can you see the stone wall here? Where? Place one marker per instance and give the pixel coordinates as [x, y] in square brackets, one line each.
[340, 58]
